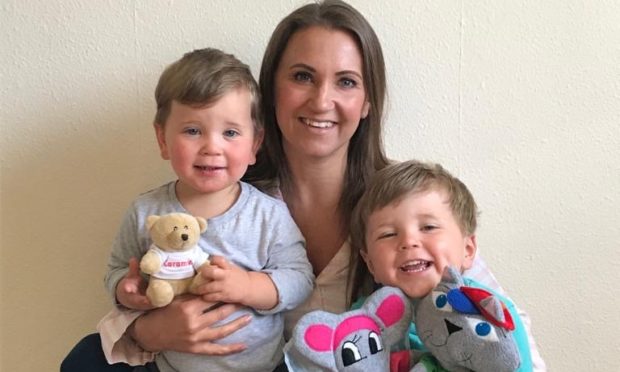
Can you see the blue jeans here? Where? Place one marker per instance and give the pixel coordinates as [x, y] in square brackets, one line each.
[87, 355]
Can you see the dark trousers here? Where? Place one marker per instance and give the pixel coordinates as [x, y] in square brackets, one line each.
[87, 355]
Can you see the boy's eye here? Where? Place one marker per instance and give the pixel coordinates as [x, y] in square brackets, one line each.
[429, 227]
[302, 76]
[386, 235]
[192, 131]
[231, 133]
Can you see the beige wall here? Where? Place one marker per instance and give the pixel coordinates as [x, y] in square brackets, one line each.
[519, 98]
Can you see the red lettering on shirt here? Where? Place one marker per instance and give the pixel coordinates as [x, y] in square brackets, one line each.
[170, 263]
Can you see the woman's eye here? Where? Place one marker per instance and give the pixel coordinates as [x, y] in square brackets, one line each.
[348, 83]
[231, 133]
[302, 76]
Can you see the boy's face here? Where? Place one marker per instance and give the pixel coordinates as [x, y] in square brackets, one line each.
[210, 147]
[410, 242]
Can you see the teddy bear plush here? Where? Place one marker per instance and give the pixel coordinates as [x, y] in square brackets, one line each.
[357, 340]
[174, 257]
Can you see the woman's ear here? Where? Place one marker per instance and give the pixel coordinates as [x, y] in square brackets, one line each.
[365, 109]
[471, 248]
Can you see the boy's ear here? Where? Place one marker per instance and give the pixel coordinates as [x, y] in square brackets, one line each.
[259, 136]
[471, 248]
[160, 133]
[364, 255]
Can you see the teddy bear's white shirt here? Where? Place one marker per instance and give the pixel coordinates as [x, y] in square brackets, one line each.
[179, 265]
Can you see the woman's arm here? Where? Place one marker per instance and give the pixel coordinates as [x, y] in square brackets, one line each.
[185, 325]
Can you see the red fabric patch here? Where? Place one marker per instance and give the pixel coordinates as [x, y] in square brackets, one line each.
[479, 294]
[400, 361]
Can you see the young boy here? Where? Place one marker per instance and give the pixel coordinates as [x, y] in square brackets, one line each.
[207, 125]
[414, 220]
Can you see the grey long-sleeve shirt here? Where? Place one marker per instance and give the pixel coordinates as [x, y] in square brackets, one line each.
[258, 234]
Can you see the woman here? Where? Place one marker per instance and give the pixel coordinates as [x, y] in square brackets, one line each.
[323, 86]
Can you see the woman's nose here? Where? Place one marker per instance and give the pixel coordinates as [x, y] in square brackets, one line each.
[323, 97]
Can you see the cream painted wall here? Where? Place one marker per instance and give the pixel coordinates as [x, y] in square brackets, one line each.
[519, 98]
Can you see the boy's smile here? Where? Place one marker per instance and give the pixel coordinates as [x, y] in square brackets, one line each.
[411, 241]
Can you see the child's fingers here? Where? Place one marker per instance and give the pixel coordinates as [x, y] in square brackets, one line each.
[219, 261]
[129, 287]
[137, 302]
[213, 297]
[134, 268]
[212, 272]
[130, 297]
[144, 303]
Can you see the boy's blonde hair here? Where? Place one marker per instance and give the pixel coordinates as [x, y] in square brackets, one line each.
[200, 78]
[399, 180]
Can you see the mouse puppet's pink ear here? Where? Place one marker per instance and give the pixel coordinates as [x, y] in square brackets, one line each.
[319, 337]
[391, 310]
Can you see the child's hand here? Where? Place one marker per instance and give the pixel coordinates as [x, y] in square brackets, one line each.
[229, 283]
[225, 282]
[130, 291]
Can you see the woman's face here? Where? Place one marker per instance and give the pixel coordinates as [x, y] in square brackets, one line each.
[320, 96]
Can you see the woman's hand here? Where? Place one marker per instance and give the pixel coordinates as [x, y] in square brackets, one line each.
[185, 325]
[130, 291]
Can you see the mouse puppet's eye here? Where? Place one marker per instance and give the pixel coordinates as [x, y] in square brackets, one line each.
[350, 353]
[374, 343]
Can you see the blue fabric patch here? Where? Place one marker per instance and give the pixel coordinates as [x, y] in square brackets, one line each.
[461, 303]
[415, 342]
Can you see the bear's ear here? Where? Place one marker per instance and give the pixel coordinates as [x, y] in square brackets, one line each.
[150, 221]
[202, 223]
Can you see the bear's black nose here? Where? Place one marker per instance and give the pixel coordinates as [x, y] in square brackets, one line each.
[184, 237]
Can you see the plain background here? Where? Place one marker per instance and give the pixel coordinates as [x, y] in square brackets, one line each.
[521, 99]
